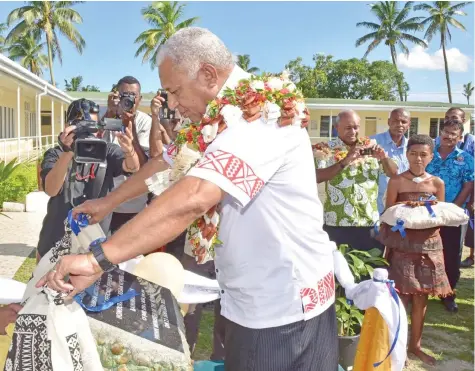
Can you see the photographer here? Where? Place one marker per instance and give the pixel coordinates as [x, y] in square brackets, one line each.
[123, 103]
[69, 183]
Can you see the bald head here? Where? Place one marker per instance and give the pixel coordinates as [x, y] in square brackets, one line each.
[348, 126]
[399, 122]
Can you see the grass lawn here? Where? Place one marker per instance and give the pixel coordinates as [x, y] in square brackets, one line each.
[447, 337]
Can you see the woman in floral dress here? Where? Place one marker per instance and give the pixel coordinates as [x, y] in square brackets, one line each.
[416, 260]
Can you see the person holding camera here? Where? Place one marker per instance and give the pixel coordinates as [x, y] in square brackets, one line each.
[69, 183]
[123, 103]
[351, 167]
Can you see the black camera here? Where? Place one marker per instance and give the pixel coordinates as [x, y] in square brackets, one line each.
[88, 148]
[367, 151]
[127, 101]
[165, 112]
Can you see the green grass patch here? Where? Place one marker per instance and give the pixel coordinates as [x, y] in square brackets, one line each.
[19, 184]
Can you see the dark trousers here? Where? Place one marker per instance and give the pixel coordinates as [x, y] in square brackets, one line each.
[301, 346]
[193, 317]
[118, 220]
[451, 239]
[357, 238]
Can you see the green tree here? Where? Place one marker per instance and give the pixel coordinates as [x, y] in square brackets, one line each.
[441, 15]
[27, 49]
[244, 61]
[165, 18]
[468, 91]
[48, 18]
[3, 28]
[74, 84]
[90, 88]
[394, 28]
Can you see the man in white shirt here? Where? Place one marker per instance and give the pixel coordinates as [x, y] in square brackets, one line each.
[140, 123]
[275, 267]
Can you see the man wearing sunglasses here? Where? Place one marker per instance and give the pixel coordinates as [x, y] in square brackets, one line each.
[69, 184]
[455, 167]
[123, 102]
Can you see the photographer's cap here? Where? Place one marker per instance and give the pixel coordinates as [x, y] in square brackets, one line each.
[81, 109]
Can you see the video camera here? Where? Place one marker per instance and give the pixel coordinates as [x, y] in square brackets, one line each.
[88, 148]
[165, 112]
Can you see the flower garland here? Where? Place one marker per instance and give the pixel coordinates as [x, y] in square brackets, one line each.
[276, 99]
[323, 151]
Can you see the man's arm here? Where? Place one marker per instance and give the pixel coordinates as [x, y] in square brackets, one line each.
[166, 217]
[390, 167]
[55, 178]
[133, 187]
[324, 175]
[465, 193]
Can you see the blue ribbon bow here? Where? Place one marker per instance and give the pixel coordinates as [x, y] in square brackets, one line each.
[399, 227]
[392, 290]
[131, 293]
[428, 205]
[76, 225]
[376, 229]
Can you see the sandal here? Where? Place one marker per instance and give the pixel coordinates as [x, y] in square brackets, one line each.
[467, 263]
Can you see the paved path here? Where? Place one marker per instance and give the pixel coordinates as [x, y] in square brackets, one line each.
[18, 238]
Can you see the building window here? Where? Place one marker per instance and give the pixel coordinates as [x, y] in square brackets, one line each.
[7, 123]
[327, 127]
[30, 119]
[434, 128]
[414, 128]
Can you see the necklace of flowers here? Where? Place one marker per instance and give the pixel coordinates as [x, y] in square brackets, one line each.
[276, 99]
[322, 151]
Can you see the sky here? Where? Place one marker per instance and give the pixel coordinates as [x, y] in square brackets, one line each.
[272, 33]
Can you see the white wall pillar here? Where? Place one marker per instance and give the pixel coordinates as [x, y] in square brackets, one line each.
[18, 119]
[52, 122]
[62, 117]
[38, 122]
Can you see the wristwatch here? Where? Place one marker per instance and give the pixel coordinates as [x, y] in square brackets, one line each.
[96, 248]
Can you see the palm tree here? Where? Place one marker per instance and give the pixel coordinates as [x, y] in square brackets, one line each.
[74, 84]
[48, 18]
[244, 61]
[468, 90]
[393, 28]
[28, 51]
[3, 28]
[164, 17]
[441, 15]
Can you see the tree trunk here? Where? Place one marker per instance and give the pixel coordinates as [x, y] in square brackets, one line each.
[446, 65]
[399, 86]
[49, 41]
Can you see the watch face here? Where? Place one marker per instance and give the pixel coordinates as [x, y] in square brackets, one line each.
[98, 241]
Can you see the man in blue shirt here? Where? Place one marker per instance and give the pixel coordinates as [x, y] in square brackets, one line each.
[455, 168]
[394, 142]
[468, 141]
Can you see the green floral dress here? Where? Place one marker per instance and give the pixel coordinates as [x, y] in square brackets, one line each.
[351, 196]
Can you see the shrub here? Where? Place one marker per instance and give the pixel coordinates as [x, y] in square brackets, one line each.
[19, 184]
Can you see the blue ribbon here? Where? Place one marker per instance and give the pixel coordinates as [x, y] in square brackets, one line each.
[429, 209]
[470, 220]
[76, 225]
[392, 290]
[107, 304]
[376, 228]
[399, 227]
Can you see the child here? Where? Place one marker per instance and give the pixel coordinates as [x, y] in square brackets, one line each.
[417, 260]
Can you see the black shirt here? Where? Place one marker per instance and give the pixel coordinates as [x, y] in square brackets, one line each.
[82, 176]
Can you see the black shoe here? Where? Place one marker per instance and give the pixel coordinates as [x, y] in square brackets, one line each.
[451, 306]
[467, 263]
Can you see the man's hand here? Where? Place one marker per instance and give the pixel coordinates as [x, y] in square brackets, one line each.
[379, 153]
[353, 155]
[67, 138]
[126, 142]
[97, 209]
[8, 314]
[156, 104]
[112, 105]
[83, 271]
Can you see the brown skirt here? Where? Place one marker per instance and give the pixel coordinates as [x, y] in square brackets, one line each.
[419, 273]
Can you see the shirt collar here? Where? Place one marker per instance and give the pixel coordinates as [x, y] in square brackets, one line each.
[389, 140]
[236, 75]
[456, 151]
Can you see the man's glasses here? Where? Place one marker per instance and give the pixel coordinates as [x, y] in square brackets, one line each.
[450, 135]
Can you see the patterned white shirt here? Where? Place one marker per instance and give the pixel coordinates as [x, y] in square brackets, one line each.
[275, 266]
